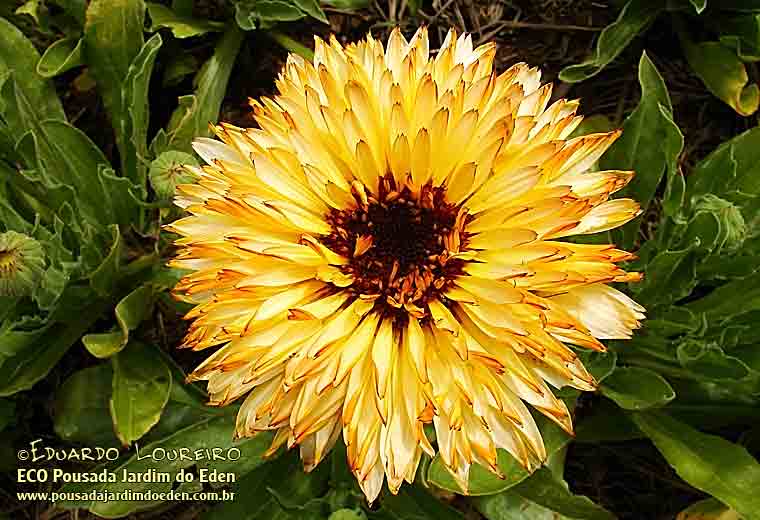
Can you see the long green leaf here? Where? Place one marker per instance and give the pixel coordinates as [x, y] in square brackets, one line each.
[708, 509]
[113, 37]
[545, 489]
[134, 125]
[61, 56]
[68, 158]
[196, 111]
[635, 16]
[650, 145]
[511, 506]
[722, 302]
[707, 462]
[18, 56]
[22, 371]
[670, 276]
[180, 25]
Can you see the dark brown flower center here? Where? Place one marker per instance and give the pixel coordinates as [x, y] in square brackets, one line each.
[399, 244]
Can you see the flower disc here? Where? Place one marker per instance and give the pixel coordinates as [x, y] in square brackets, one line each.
[385, 251]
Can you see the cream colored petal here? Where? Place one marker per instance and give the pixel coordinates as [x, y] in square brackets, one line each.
[502, 239]
[357, 345]
[384, 350]
[211, 150]
[492, 290]
[606, 312]
[608, 215]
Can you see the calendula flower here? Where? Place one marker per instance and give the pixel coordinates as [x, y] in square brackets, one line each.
[385, 251]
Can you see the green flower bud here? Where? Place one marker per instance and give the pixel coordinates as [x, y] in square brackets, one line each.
[22, 262]
[718, 223]
[168, 170]
[348, 514]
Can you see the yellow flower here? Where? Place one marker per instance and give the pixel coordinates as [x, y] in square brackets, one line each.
[385, 252]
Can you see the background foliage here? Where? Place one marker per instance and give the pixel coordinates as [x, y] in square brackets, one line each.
[99, 102]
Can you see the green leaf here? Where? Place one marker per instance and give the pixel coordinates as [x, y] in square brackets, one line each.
[134, 126]
[607, 422]
[414, 503]
[716, 173]
[19, 57]
[670, 276]
[482, 481]
[636, 388]
[251, 14]
[511, 506]
[709, 463]
[180, 26]
[347, 4]
[62, 55]
[72, 163]
[742, 34]
[22, 371]
[717, 224]
[723, 74]
[596, 124]
[545, 489]
[599, 364]
[722, 302]
[81, 407]
[141, 386]
[677, 320]
[708, 360]
[113, 37]
[76, 9]
[635, 16]
[130, 312]
[183, 7]
[732, 172]
[650, 145]
[278, 489]
[34, 8]
[104, 279]
[7, 413]
[177, 68]
[245, 15]
[699, 5]
[708, 509]
[208, 433]
[311, 7]
[347, 514]
[740, 5]
[292, 45]
[195, 112]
